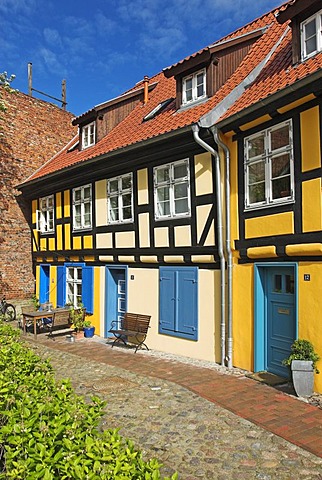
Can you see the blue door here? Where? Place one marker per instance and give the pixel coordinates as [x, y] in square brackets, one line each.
[44, 284]
[281, 324]
[116, 295]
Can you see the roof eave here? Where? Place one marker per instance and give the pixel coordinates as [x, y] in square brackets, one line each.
[271, 99]
[120, 151]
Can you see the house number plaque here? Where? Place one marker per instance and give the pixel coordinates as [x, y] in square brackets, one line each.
[307, 277]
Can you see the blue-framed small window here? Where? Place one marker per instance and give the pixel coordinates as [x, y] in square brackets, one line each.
[75, 285]
[178, 309]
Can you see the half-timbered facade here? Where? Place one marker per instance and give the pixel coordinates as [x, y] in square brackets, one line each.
[140, 213]
[274, 137]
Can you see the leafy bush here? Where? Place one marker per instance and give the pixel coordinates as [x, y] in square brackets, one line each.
[48, 432]
[302, 350]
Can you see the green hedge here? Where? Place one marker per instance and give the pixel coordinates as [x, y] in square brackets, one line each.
[48, 432]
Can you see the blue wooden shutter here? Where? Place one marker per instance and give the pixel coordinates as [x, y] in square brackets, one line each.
[61, 286]
[167, 300]
[88, 288]
[187, 298]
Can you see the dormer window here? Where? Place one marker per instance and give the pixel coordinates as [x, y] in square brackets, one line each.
[311, 35]
[194, 87]
[88, 135]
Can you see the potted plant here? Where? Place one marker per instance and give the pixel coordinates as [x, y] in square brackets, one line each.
[77, 317]
[302, 361]
[89, 329]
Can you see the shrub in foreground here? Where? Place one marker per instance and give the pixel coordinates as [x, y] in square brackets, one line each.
[48, 432]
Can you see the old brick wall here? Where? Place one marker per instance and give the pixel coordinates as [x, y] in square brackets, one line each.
[31, 132]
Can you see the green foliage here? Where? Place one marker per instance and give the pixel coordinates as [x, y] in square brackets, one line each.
[35, 301]
[48, 432]
[77, 317]
[302, 350]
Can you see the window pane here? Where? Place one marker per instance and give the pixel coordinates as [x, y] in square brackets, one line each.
[310, 29]
[113, 211]
[181, 191]
[281, 187]
[256, 172]
[257, 193]
[77, 195]
[180, 171]
[163, 200]
[163, 193]
[87, 192]
[200, 85]
[77, 219]
[280, 166]
[126, 200]
[280, 137]
[127, 213]
[289, 283]
[311, 46]
[181, 206]
[255, 146]
[126, 182]
[277, 283]
[163, 175]
[113, 186]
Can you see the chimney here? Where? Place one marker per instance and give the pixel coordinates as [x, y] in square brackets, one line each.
[146, 89]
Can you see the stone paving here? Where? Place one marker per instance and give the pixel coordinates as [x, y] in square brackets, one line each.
[187, 433]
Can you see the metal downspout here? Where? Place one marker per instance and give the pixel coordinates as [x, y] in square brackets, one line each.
[203, 144]
[217, 139]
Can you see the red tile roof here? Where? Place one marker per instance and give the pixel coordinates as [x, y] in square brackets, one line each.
[277, 74]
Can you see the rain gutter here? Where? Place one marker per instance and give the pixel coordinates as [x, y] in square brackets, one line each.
[214, 153]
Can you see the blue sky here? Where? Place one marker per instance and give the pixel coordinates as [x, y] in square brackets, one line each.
[103, 47]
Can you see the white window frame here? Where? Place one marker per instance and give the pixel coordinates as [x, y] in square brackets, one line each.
[171, 183]
[88, 135]
[317, 18]
[195, 97]
[119, 194]
[81, 204]
[266, 157]
[45, 215]
[73, 281]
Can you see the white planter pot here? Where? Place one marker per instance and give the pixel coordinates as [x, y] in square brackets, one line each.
[303, 377]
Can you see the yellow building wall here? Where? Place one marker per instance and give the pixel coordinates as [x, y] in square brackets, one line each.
[310, 139]
[203, 174]
[270, 225]
[143, 188]
[310, 310]
[101, 203]
[312, 205]
[143, 297]
[243, 316]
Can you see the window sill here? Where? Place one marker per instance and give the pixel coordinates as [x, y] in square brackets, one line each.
[186, 106]
[269, 205]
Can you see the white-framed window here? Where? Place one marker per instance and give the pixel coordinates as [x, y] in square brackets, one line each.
[269, 167]
[74, 286]
[120, 199]
[82, 207]
[311, 35]
[172, 190]
[45, 214]
[88, 135]
[194, 87]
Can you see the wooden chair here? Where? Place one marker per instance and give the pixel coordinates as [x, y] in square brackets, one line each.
[61, 323]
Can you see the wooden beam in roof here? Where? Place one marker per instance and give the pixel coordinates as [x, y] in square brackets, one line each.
[296, 8]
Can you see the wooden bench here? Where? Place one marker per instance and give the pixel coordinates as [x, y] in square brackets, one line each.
[132, 330]
[61, 323]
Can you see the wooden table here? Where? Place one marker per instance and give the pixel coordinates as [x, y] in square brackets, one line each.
[36, 315]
